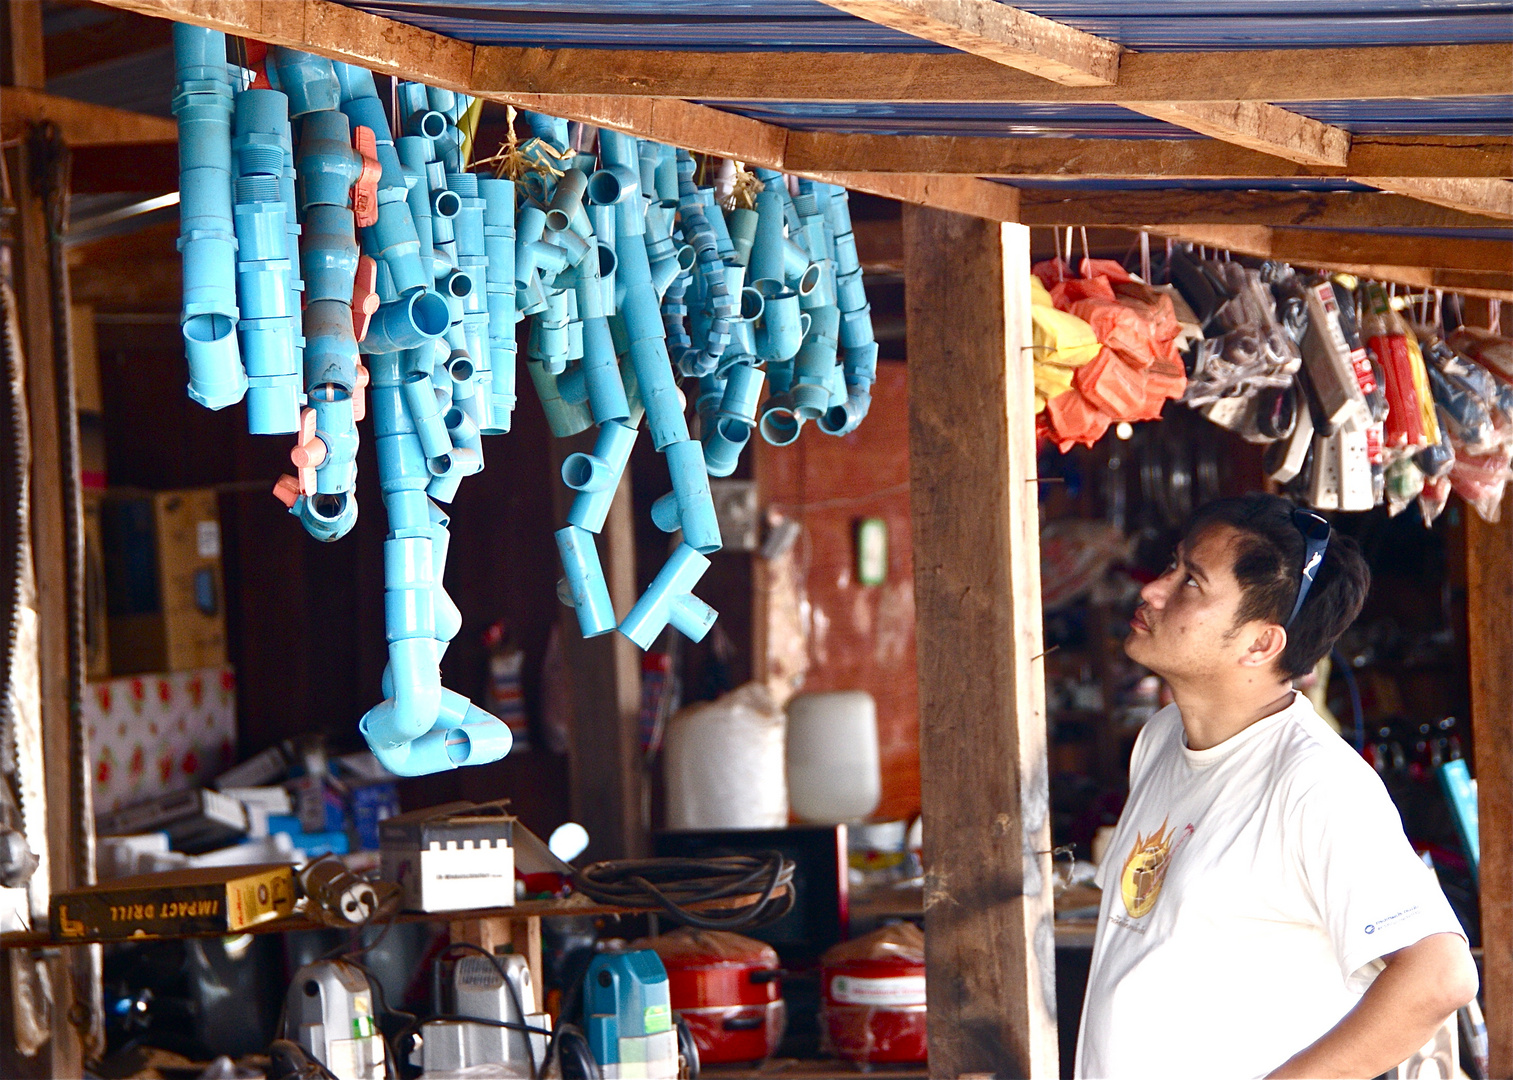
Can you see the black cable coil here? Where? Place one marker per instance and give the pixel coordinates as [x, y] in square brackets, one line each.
[674, 884]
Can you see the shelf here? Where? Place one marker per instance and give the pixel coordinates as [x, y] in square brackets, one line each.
[526, 909]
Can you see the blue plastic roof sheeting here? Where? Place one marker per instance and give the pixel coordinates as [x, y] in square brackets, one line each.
[1006, 119]
[1492, 115]
[689, 25]
[1444, 116]
[796, 25]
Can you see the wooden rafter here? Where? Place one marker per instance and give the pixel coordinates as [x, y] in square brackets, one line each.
[1032, 158]
[1005, 35]
[81, 123]
[1352, 74]
[1326, 210]
[1259, 126]
[1478, 196]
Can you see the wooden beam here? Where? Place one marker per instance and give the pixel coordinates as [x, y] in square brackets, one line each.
[1321, 209]
[1489, 633]
[81, 123]
[1477, 196]
[604, 750]
[21, 52]
[1259, 126]
[1052, 158]
[989, 941]
[1343, 74]
[1005, 35]
[1431, 252]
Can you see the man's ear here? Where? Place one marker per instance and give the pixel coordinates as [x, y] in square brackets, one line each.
[1267, 645]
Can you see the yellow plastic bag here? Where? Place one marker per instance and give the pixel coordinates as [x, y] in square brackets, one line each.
[1060, 338]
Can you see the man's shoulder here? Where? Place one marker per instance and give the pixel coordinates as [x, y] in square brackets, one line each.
[1310, 760]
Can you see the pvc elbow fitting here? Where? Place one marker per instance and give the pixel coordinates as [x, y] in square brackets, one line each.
[394, 241]
[843, 419]
[596, 476]
[814, 365]
[310, 81]
[742, 226]
[407, 323]
[779, 423]
[562, 418]
[585, 581]
[670, 601]
[723, 443]
[327, 518]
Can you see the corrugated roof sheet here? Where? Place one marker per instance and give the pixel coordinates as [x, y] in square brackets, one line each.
[1443, 116]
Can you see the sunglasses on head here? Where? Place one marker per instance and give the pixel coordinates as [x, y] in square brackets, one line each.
[1315, 532]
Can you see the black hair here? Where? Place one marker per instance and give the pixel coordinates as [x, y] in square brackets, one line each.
[1268, 565]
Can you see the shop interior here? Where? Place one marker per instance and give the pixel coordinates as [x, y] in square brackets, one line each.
[704, 838]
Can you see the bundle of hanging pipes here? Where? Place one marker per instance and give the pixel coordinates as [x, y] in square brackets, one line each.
[328, 262]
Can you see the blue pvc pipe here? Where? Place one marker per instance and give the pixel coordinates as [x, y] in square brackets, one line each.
[585, 581]
[203, 104]
[690, 484]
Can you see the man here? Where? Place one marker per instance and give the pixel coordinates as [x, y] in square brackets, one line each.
[1263, 913]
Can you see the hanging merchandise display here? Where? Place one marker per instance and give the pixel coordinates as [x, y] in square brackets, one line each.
[1361, 398]
[1134, 372]
[336, 251]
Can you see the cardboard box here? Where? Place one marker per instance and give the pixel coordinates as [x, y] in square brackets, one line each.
[163, 580]
[453, 857]
[151, 735]
[195, 821]
[215, 899]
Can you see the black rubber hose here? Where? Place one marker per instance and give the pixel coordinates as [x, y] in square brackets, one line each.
[14, 527]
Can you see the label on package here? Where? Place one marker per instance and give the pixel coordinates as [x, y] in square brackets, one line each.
[885, 993]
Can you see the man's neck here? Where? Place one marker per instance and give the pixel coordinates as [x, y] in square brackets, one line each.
[1213, 714]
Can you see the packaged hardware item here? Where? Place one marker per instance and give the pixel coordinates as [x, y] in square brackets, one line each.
[208, 900]
[453, 857]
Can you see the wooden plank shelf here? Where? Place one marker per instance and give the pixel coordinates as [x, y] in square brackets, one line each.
[525, 909]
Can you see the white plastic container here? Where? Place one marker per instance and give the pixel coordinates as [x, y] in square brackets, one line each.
[833, 770]
[723, 762]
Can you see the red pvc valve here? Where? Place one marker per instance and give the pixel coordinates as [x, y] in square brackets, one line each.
[364, 295]
[308, 453]
[365, 191]
[287, 490]
[359, 393]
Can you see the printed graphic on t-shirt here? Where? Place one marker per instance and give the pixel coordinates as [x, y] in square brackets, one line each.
[1145, 869]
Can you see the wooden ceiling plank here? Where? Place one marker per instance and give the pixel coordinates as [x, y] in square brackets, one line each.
[1460, 156]
[1477, 196]
[82, 124]
[1334, 209]
[1257, 126]
[1006, 35]
[1430, 252]
[1279, 76]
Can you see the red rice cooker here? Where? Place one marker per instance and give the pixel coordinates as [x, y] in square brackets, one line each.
[725, 987]
[874, 1008]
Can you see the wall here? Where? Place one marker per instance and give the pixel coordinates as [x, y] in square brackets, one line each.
[858, 636]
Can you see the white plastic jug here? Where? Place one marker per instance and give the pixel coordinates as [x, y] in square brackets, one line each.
[833, 769]
[723, 762]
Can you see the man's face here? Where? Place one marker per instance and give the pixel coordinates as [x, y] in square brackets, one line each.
[1184, 629]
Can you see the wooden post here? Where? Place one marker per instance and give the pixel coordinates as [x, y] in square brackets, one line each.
[989, 937]
[1489, 631]
[608, 786]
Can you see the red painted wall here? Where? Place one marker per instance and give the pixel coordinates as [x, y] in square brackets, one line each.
[860, 637]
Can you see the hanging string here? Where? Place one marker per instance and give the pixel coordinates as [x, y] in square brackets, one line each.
[744, 189]
[1086, 258]
[1145, 257]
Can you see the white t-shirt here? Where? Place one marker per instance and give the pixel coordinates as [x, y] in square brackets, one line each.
[1248, 893]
